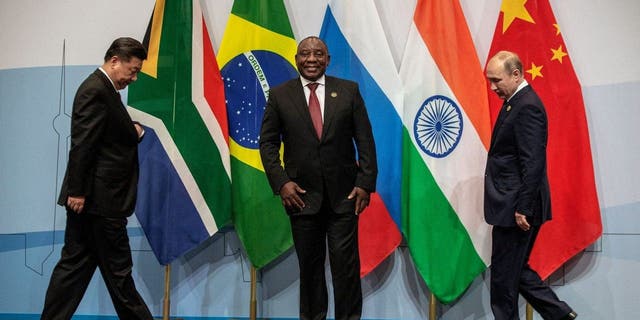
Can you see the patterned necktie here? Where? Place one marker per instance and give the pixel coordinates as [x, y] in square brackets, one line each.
[314, 109]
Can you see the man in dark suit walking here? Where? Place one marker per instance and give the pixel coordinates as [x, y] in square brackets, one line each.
[322, 122]
[517, 198]
[99, 190]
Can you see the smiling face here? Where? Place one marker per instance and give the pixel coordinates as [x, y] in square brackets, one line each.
[121, 72]
[312, 58]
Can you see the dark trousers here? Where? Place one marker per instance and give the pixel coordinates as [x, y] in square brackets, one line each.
[92, 241]
[311, 234]
[511, 274]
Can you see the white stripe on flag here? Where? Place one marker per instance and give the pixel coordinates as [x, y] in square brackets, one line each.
[460, 175]
[366, 37]
[180, 165]
[197, 89]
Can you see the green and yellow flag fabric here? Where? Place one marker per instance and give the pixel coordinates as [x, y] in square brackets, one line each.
[256, 53]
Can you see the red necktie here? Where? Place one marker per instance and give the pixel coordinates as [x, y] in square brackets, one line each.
[314, 109]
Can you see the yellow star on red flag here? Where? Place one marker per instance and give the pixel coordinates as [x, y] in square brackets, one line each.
[530, 29]
[558, 54]
[513, 9]
[535, 71]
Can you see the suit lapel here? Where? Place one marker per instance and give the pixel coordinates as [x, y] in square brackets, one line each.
[115, 104]
[505, 111]
[499, 121]
[330, 99]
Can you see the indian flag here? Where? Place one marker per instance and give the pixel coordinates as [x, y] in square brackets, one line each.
[256, 53]
[447, 133]
[184, 183]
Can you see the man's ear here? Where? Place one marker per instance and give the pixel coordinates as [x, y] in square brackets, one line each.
[115, 59]
[517, 73]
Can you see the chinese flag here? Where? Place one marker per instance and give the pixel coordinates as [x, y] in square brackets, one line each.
[530, 29]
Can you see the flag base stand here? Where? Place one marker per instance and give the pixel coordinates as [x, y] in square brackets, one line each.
[166, 301]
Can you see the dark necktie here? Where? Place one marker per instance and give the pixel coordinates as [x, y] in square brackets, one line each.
[314, 109]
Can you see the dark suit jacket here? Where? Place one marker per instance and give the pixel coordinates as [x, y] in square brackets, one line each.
[318, 164]
[516, 172]
[103, 159]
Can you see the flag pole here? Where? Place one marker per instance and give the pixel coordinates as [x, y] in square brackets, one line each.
[166, 301]
[252, 300]
[433, 303]
[529, 312]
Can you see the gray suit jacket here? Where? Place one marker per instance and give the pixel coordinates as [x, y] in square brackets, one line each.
[317, 164]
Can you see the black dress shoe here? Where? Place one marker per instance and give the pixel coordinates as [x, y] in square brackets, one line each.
[570, 316]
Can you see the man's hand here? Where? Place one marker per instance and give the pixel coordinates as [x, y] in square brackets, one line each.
[362, 198]
[521, 221]
[139, 129]
[76, 204]
[289, 195]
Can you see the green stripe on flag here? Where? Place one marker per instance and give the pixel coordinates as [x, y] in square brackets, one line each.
[255, 11]
[258, 215]
[169, 98]
[444, 154]
[450, 262]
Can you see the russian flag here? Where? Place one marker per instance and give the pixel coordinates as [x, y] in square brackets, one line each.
[359, 52]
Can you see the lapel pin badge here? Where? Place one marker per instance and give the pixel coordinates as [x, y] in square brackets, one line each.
[334, 94]
[508, 108]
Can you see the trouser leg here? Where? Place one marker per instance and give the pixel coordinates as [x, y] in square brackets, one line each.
[309, 238]
[538, 293]
[342, 238]
[507, 258]
[72, 273]
[511, 274]
[115, 263]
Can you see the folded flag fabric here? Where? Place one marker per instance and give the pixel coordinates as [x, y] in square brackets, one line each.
[184, 187]
[256, 53]
[445, 140]
[530, 29]
[359, 52]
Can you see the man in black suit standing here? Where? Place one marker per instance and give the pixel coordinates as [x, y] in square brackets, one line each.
[517, 198]
[99, 190]
[322, 122]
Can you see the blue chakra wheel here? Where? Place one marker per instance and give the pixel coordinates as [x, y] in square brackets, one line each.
[438, 126]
